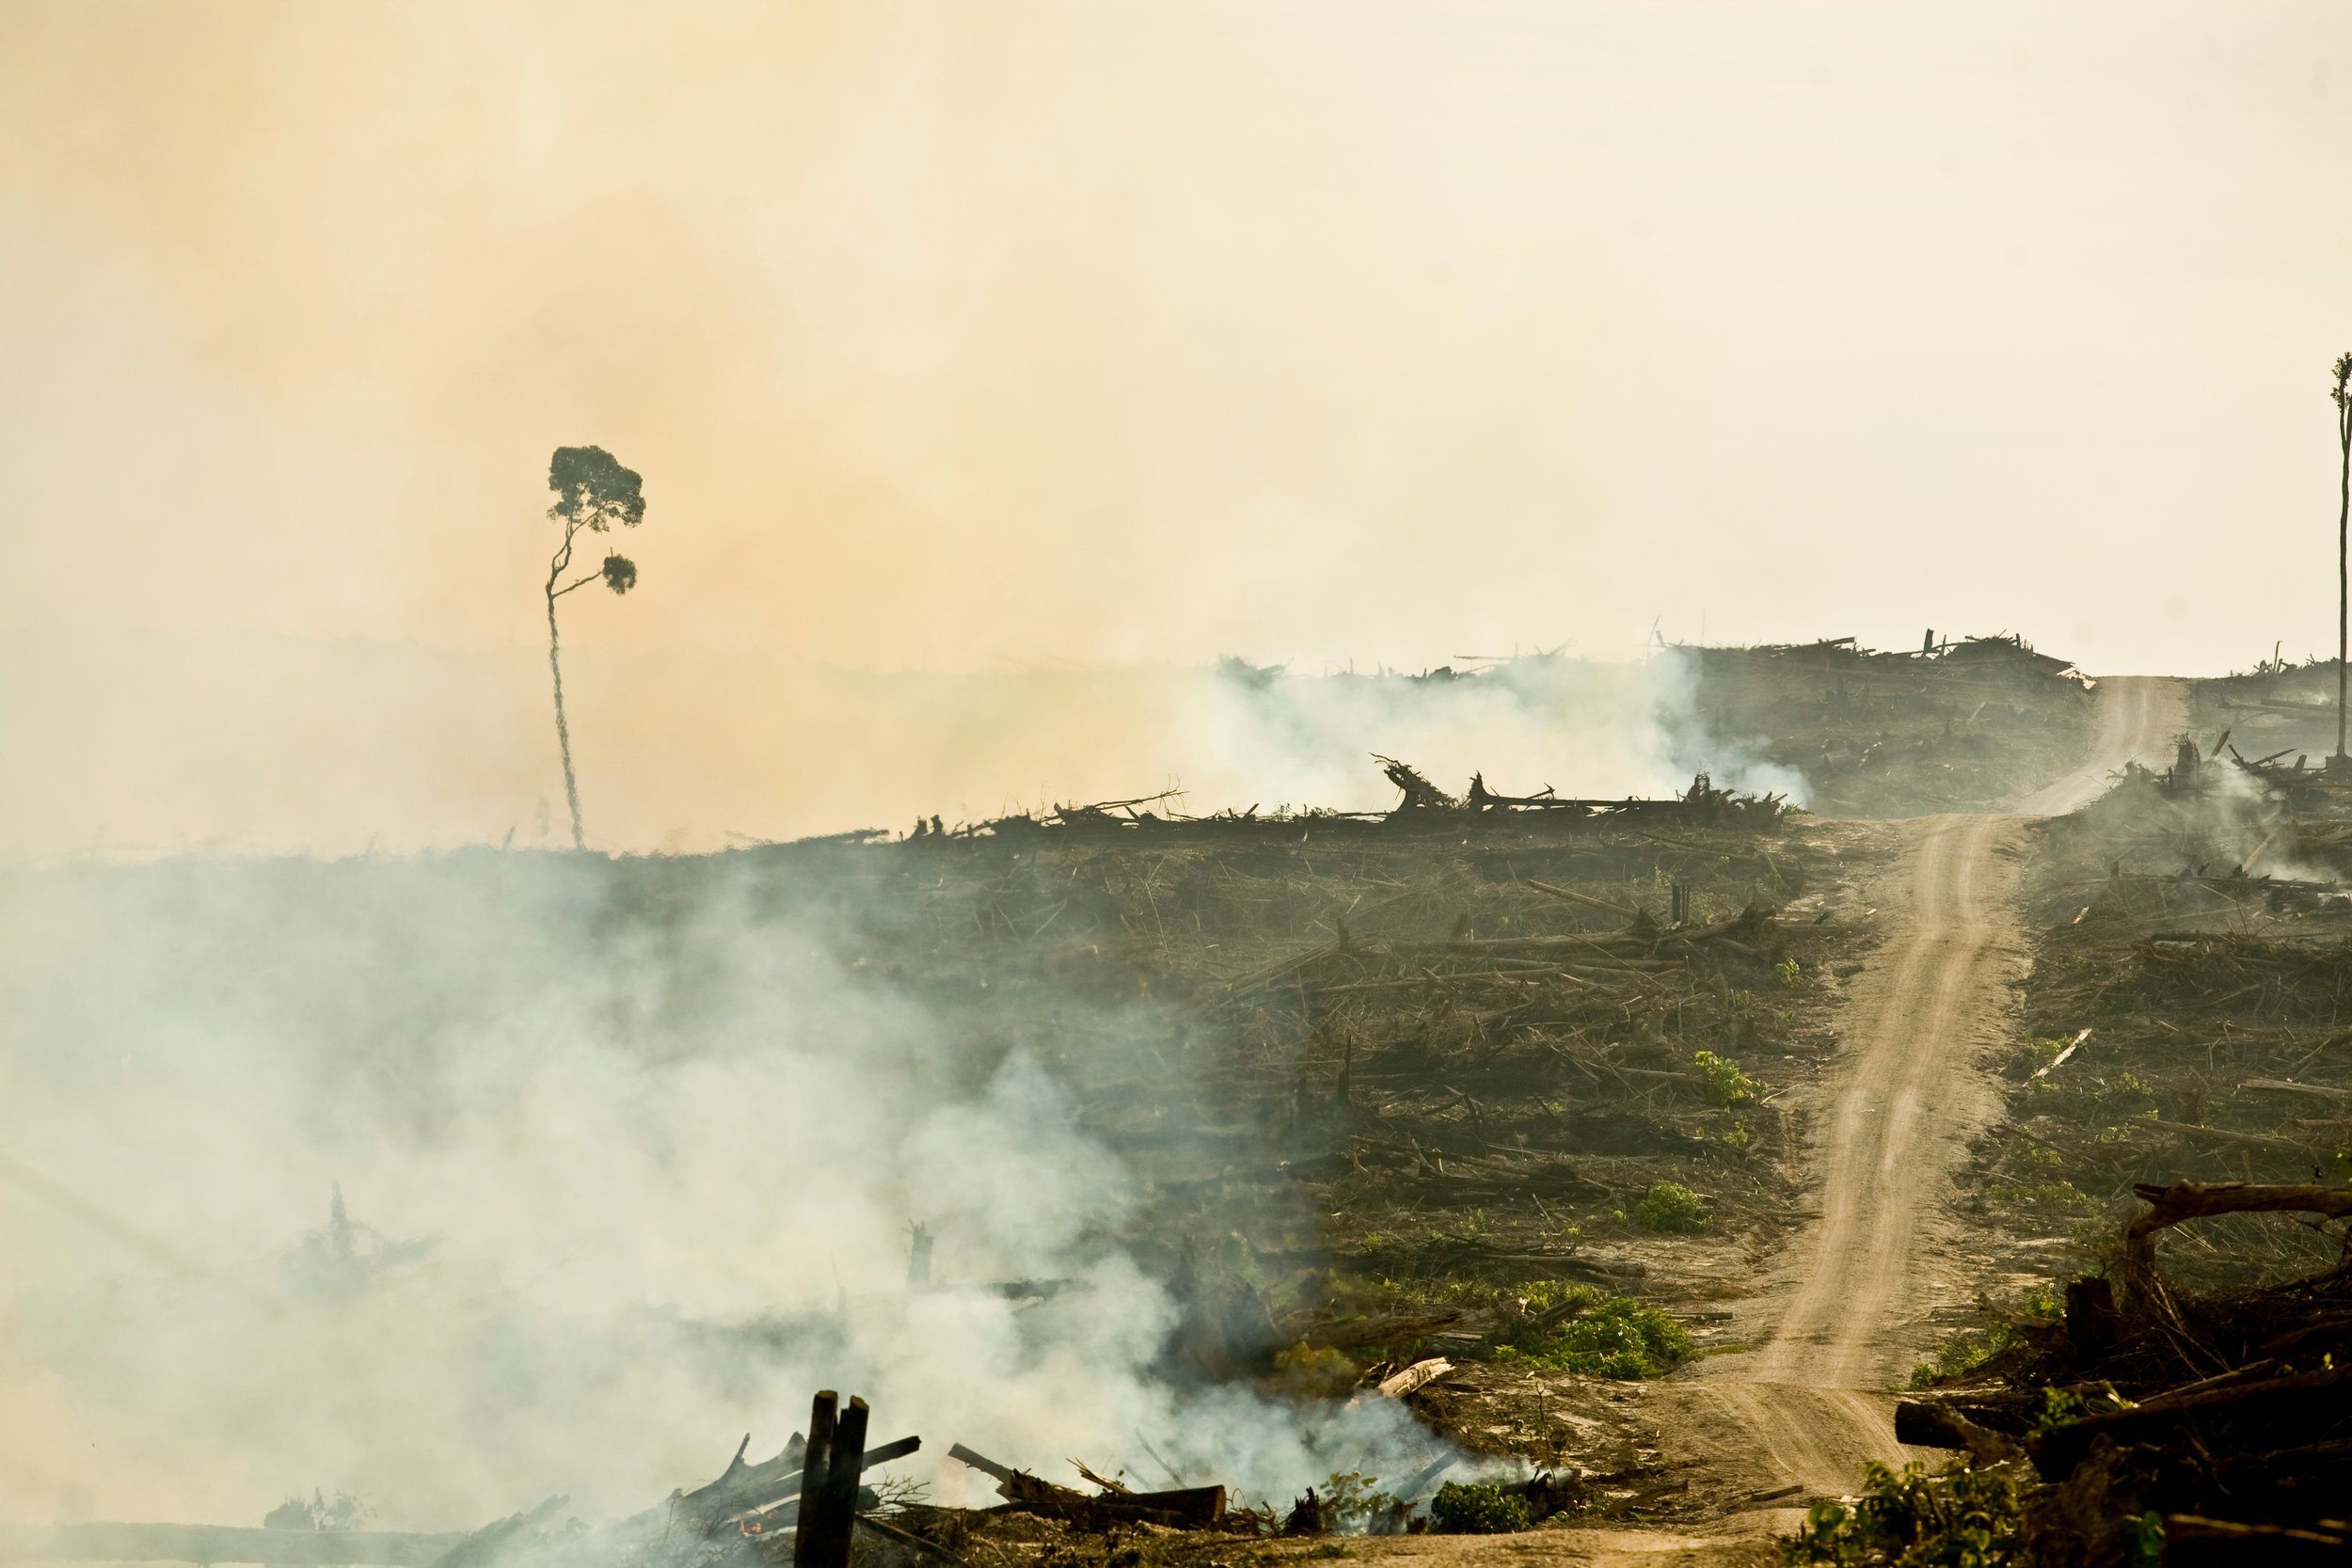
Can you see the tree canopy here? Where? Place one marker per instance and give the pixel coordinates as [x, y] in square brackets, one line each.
[593, 490]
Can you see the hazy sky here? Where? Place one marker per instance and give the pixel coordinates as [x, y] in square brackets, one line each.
[990, 337]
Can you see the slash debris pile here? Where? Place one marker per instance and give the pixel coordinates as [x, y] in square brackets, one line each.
[2215, 1428]
[1953, 726]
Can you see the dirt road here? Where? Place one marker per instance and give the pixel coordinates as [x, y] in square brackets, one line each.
[1848, 1314]
[1896, 1125]
[2138, 718]
[1843, 1314]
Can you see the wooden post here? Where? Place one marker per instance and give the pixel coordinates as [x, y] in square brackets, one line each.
[816, 1469]
[823, 1540]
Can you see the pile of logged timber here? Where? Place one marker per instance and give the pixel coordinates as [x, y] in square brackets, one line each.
[2225, 1423]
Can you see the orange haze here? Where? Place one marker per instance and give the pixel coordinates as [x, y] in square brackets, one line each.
[1075, 337]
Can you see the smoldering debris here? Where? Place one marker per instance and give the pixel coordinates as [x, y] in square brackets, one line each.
[808, 1505]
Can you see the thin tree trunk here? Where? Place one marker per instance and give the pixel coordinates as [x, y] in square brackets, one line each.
[2344, 557]
[563, 733]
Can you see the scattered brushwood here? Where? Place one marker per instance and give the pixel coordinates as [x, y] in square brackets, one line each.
[1954, 726]
[2214, 1427]
[1423, 807]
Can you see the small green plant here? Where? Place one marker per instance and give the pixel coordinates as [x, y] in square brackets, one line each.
[1671, 1206]
[1459, 1509]
[2059, 1409]
[1723, 1078]
[1790, 973]
[1607, 1337]
[1961, 1519]
[1736, 1139]
[2038, 1053]
[2126, 1086]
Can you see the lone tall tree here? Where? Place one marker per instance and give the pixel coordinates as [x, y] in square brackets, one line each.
[593, 492]
[2342, 394]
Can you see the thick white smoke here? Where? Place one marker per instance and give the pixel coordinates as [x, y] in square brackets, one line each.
[649, 1148]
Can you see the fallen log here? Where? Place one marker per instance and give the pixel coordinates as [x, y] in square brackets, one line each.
[1933, 1424]
[2281, 1086]
[2194, 1133]
[2058, 1450]
[1185, 1507]
[1419, 1375]
[2189, 1200]
[2190, 1539]
[1585, 899]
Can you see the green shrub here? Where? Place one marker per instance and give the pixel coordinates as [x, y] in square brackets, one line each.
[1458, 1510]
[1671, 1206]
[1959, 1519]
[1789, 972]
[1613, 1337]
[1723, 1077]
